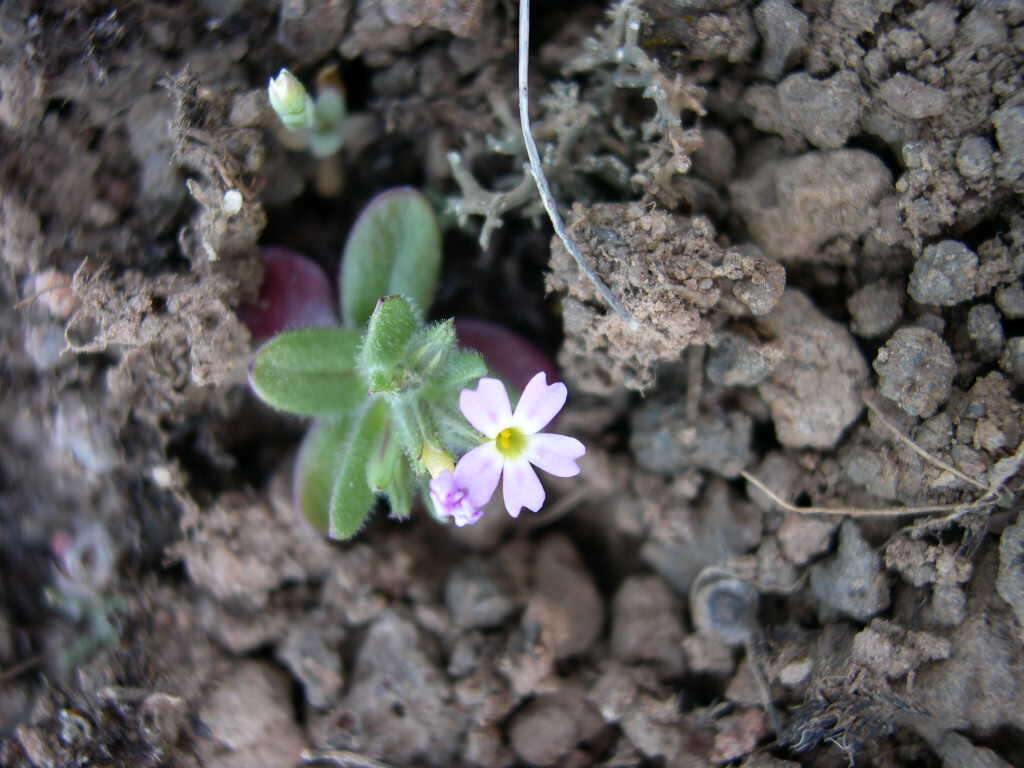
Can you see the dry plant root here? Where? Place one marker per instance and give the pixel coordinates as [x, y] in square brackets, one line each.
[993, 495]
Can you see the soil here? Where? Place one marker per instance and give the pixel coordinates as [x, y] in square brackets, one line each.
[798, 534]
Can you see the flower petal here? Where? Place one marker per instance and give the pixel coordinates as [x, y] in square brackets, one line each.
[486, 407]
[555, 454]
[539, 404]
[478, 472]
[521, 488]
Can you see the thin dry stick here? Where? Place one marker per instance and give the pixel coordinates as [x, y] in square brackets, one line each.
[538, 172]
[861, 512]
[935, 460]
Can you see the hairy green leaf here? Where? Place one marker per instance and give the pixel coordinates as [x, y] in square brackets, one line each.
[352, 498]
[384, 460]
[400, 492]
[394, 248]
[460, 369]
[316, 465]
[392, 324]
[309, 372]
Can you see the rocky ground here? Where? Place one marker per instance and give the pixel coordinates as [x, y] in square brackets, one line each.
[797, 539]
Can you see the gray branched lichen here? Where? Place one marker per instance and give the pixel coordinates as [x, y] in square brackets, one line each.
[583, 136]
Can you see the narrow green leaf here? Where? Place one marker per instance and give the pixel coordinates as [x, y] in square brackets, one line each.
[407, 425]
[392, 324]
[400, 492]
[384, 460]
[431, 347]
[394, 248]
[461, 369]
[315, 468]
[309, 372]
[352, 498]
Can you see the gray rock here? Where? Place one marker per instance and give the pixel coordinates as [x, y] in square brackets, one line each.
[476, 596]
[916, 369]
[814, 392]
[399, 705]
[876, 308]
[783, 31]
[1010, 300]
[646, 627]
[311, 652]
[716, 158]
[664, 441]
[543, 732]
[981, 28]
[936, 23]
[736, 361]
[856, 15]
[248, 719]
[795, 205]
[911, 98]
[944, 274]
[1009, 125]
[980, 687]
[985, 328]
[852, 581]
[565, 603]
[1010, 581]
[1012, 360]
[974, 158]
[825, 112]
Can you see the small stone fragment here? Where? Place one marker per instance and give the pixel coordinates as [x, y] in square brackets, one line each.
[936, 23]
[916, 370]
[1010, 581]
[985, 328]
[664, 441]
[909, 97]
[814, 392]
[895, 651]
[1009, 125]
[875, 308]
[734, 360]
[1010, 300]
[783, 31]
[1012, 360]
[793, 206]
[399, 704]
[796, 673]
[311, 653]
[646, 627]
[944, 274]
[476, 596]
[565, 603]
[825, 112]
[738, 735]
[249, 719]
[544, 732]
[803, 537]
[852, 581]
[974, 158]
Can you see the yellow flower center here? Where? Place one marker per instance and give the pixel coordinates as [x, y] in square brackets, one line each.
[511, 443]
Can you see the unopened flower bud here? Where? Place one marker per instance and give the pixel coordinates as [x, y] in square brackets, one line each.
[290, 101]
[436, 460]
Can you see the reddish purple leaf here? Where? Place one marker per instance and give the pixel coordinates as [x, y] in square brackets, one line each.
[295, 293]
[508, 354]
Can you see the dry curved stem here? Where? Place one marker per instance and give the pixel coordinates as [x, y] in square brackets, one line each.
[934, 460]
[985, 501]
[1001, 473]
[538, 172]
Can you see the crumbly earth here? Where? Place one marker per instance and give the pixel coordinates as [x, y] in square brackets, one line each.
[812, 209]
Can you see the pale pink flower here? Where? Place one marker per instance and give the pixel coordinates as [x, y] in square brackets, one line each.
[514, 443]
[451, 499]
